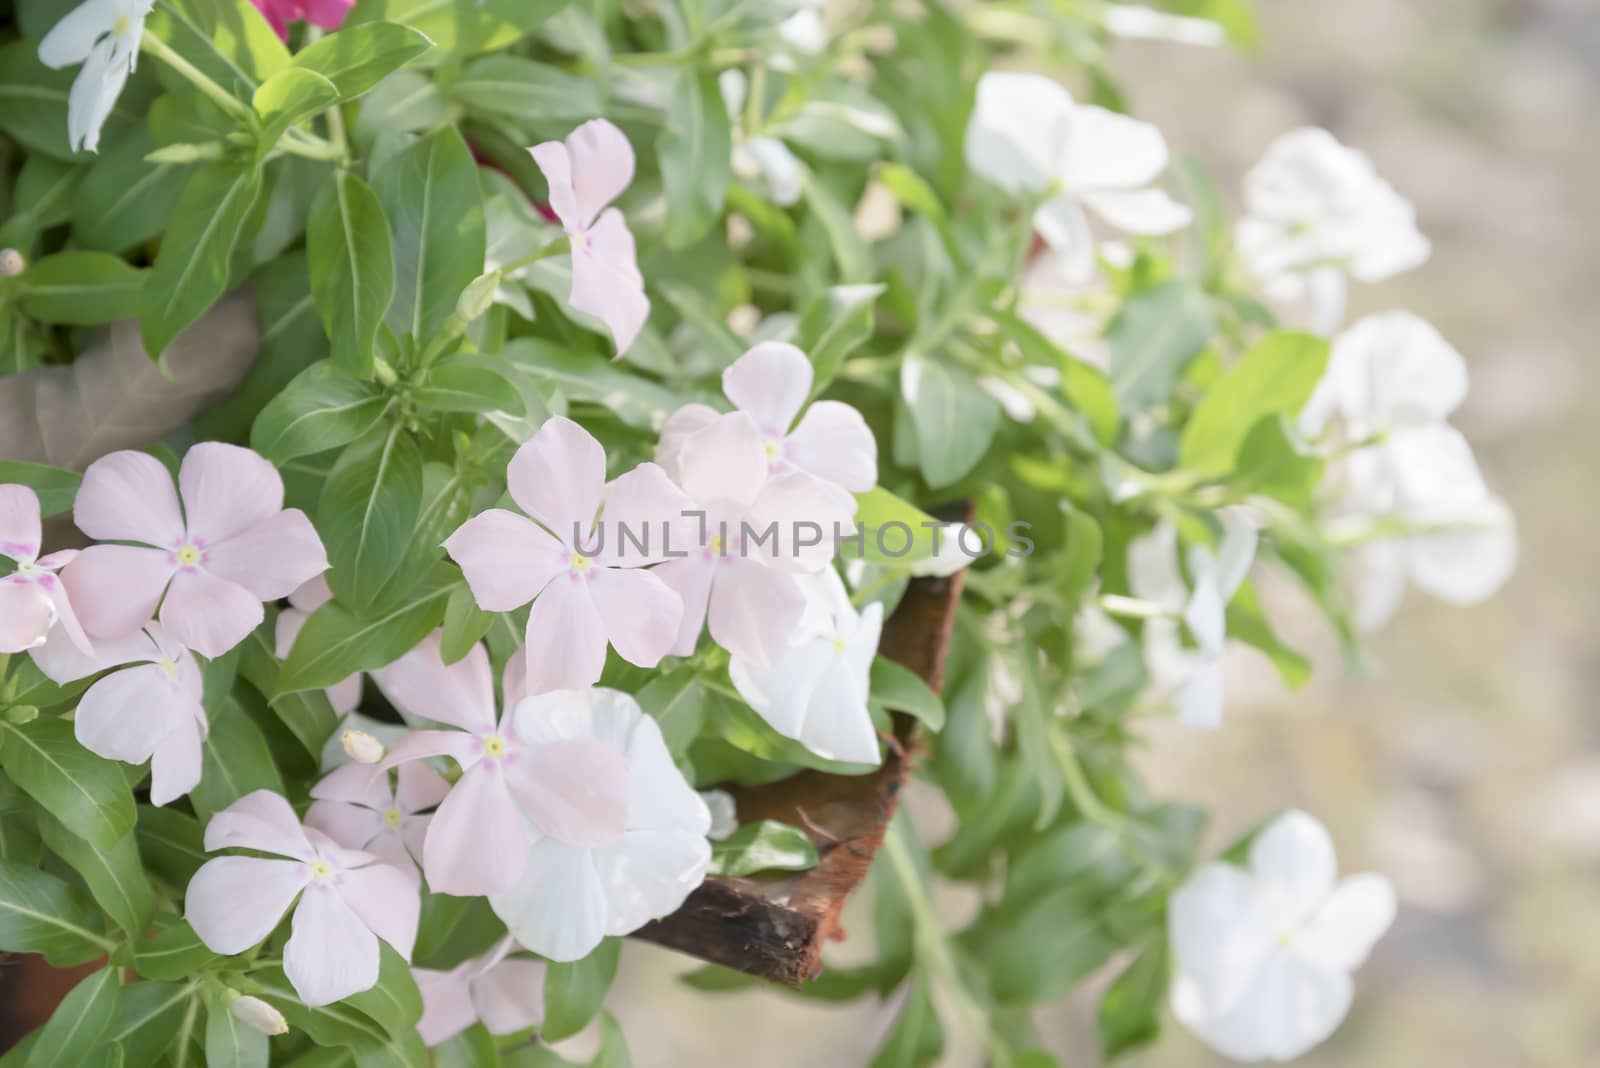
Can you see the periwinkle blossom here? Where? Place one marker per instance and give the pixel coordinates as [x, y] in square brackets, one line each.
[757, 531]
[580, 559]
[1317, 211]
[762, 160]
[816, 692]
[1030, 138]
[771, 383]
[324, 14]
[1263, 955]
[148, 710]
[33, 600]
[502, 991]
[630, 846]
[104, 36]
[1193, 676]
[305, 599]
[348, 899]
[362, 810]
[585, 173]
[231, 546]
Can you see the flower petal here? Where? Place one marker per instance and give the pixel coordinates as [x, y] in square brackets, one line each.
[19, 523]
[575, 791]
[510, 996]
[1220, 937]
[420, 745]
[645, 517]
[1140, 211]
[770, 383]
[1293, 860]
[127, 714]
[1349, 924]
[447, 1007]
[387, 903]
[226, 490]
[419, 787]
[690, 578]
[207, 613]
[659, 797]
[354, 784]
[260, 820]
[352, 826]
[834, 443]
[811, 515]
[71, 38]
[478, 842]
[62, 662]
[423, 685]
[606, 282]
[602, 166]
[558, 476]
[753, 609]
[558, 908]
[1107, 150]
[649, 874]
[506, 558]
[234, 902]
[639, 611]
[175, 768]
[128, 496]
[1290, 1007]
[680, 427]
[115, 588]
[724, 461]
[566, 638]
[273, 558]
[94, 93]
[1065, 228]
[26, 616]
[330, 953]
[1019, 131]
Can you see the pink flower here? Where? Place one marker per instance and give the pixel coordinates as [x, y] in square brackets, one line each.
[150, 711]
[32, 599]
[770, 383]
[505, 992]
[348, 899]
[478, 841]
[328, 14]
[309, 596]
[586, 172]
[360, 810]
[232, 546]
[742, 578]
[585, 578]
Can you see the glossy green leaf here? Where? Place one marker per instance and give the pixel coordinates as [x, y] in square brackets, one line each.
[465, 624]
[33, 103]
[56, 487]
[81, 288]
[40, 913]
[176, 952]
[232, 1043]
[954, 418]
[573, 992]
[352, 269]
[514, 88]
[361, 55]
[917, 1037]
[88, 794]
[147, 1017]
[307, 714]
[1271, 461]
[124, 200]
[75, 1032]
[114, 876]
[1130, 1010]
[335, 643]
[235, 761]
[472, 383]
[1275, 376]
[695, 148]
[287, 99]
[368, 511]
[898, 689]
[323, 408]
[394, 1002]
[1153, 338]
[172, 843]
[228, 40]
[765, 845]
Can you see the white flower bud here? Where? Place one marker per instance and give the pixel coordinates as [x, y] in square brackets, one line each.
[724, 814]
[361, 747]
[259, 1015]
[12, 263]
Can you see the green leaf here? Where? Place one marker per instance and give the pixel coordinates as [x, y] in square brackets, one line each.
[830, 329]
[1081, 555]
[335, 643]
[1153, 338]
[56, 487]
[912, 190]
[954, 418]
[352, 268]
[473, 1048]
[235, 761]
[339, 1024]
[1248, 623]
[323, 408]
[148, 1015]
[1130, 1009]
[174, 953]
[513, 88]
[588, 377]
[307, 714]
[917, 1037]
[33, 103]
[766, 845]
[1270, 461]
[459, 27]
[850, 251]
[114, 876]
[677, 702]
[695, 148]
[81, 288]
[574, 992]
[124, 201]
[359, 56]
[287, 99]
[471, 383]
[899, 689]
[1051, 945]
[88, 794]
[192, 269]
[228, 40]
[465, 624]
[1275, 376]
[40, 913]
[394, 1002]
[172, 844]
[73, 1034]
[230, 1042]
[368, 510]
[431, 198]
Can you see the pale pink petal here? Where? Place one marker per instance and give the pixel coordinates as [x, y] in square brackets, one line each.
[352, 826]
[510, 996]
[681, 425]
[19, 523]
[558, 476]
[505, 558]
[127, 714]
[392, 849]
[602, 166]
[513, 682]
[478, 842]
[556, 163]
[226, 490]
[809, 515]
[234, 902]
[128, 496]
[354, 784]
[659, 797]
[345, 695]
[208, 613]
[62, 662]
[285, 629]
[67, 617]
[413, 833]
[690, 578]
[330, 953]
[312, 594]
[644, 518]
[724, 462]
[770, 383]
[447, 1007]
[753, 610]
[460, 694]
[175, 768]
[272, 558]
[640, 612]
[834, 443]
[26, 616]
[558, 907]
[574, 791]
[606, 282]
[420, 787]
[460, 746]
[566, 638]
[260, 820]
[649, 874]
[387, 903]
[115, 588]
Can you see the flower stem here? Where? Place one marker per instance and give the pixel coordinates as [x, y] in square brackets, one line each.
[155, 46]
[559, 247]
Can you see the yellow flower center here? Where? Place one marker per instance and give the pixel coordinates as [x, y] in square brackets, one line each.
[170, 666]
[1285, 938]
[769, 448]
[392, 816]
[188, 555]
[28, 569]
[321, 869]
[839, 644]
[580, 563]
[494, 747]
[716, 545]
[120, 27]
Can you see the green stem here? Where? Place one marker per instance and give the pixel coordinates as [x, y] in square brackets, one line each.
[155, 46]
[559, 247]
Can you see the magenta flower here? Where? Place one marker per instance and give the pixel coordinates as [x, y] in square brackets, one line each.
[506, 993]
[581, 568]
[33, 599]
[232, 546]
[770, 383]
[328, 14]
[479, 839]
[360, 810]
[759, 531]
[586, 172]
[348, 899]
[149, 711]
[309, 596]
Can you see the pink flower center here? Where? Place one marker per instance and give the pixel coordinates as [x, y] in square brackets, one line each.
[189, 555]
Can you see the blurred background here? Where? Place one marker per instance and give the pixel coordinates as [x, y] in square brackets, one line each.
[1466, 764]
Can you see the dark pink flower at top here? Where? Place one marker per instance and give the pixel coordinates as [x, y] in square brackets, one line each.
[230, 546]
[328, 14]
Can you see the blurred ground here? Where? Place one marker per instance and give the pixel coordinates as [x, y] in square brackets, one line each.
[1467, 765]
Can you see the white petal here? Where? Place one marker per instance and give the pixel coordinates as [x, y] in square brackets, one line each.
[1219, 937]
[70, 39]
[1291, 1007]
[558, 908]
[1143, 211]
[330, 953]
[234, 902]
[1108, 151]
[1019, 130]
[1293, 860]
[1064, 227]
[649, 874]
[1344, 931]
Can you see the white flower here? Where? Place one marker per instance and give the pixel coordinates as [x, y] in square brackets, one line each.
[259, 1015]
[765, 161]
[1263, 956]
[1146, 23]
[816, 692]
[952, 553]
[1193, 676]
[1317, 211]
[1386, 373]
[724, 813]
[104, 36]
[804, 30]
[1028, 137]
[635, 845]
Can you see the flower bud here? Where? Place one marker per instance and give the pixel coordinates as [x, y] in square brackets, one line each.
[12, 263]
[20, 714]
[724, 814]
[259, 1015]
[361, 747]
